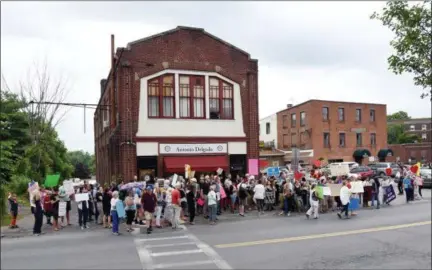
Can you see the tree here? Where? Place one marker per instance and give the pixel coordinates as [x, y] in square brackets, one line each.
[400, 115]
[83, 163]
[396, 134]
[412, 26]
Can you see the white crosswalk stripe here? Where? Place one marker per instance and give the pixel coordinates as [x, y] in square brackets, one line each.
[173, 251]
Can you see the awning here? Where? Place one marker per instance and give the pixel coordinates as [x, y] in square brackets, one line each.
[361, 153]
[197, 163]
[385, 153]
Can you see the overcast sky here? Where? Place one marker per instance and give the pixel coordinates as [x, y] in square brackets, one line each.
[306, 50]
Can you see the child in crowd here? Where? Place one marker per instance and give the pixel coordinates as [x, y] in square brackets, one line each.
[13, 209]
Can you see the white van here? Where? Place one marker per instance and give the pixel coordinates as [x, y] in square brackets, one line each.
[351, 164]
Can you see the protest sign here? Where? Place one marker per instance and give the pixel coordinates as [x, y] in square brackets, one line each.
[357, 187]
[390, 193]
[69, 187]
[335, 189]
[174, 180]
[326, 191]
[219, 171]
[81, 197]
[52, 180]
[62, 209]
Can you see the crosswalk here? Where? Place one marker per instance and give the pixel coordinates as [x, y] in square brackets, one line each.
[177, 250]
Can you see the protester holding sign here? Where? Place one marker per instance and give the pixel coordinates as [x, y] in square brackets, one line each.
[64, 197]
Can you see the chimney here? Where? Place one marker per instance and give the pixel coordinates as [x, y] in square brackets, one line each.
[289, 105]
[112, 53]
[102, 85]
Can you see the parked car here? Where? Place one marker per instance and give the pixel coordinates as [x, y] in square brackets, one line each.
[379, 168]
[362, 172]
[426, 174]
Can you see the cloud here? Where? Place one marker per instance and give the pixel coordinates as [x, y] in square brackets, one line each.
[326, 50]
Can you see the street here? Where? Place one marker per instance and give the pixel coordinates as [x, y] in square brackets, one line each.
[395, 237]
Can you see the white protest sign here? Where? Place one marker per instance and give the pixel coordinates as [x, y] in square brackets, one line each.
[69, 187]
[62, 209]
[326, 191]
[174, 180]
[357, 187]
[81, 197]
[219, 171]
[340, 169]
[32, 187]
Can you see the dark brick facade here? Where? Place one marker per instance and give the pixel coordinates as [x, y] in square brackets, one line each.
[311, 134]
[182, 48]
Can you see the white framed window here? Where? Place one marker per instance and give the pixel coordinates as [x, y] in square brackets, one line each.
[424, 127]
[424, 136]
[412, 128]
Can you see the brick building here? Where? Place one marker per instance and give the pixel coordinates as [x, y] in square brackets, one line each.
[411, 153]
[422, 127]
[179, 97]
[331, 130]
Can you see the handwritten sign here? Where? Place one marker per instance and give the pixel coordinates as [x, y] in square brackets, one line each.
[357, 187]
[81, 197]
[62, 209]
[335, 189]
[69, 187]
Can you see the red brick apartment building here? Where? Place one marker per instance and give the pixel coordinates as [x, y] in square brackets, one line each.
[332, 130]
[179, 97]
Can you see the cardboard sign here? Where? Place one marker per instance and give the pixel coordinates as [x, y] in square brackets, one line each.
[62, 209]
[327, 191]
[81, 197]
[335, 189]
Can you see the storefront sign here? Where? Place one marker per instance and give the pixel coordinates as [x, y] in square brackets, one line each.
[207, 148]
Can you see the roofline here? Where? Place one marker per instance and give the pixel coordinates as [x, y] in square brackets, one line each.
[411, 120]
[329, 101]
[190, 28]
[268, 116]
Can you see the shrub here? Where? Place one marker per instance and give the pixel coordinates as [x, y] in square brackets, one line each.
[18, 185]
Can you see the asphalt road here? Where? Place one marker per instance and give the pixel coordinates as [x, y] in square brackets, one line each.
[397, 237]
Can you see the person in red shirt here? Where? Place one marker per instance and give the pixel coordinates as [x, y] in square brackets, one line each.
[175, 201]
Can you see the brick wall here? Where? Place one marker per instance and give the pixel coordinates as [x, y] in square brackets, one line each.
[187, 49]
[315, 127]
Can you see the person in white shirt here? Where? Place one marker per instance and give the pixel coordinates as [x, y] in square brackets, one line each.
[212, 205]
[259, 192]
[345, 194]
[114, 215]
[314, 202]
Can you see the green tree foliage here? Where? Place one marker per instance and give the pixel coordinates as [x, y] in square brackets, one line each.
[412, 44]
[23, 155]
[83, 163]
[396, 134]
[400, 115]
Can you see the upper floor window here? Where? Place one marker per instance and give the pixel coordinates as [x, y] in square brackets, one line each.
[325, 113]
[267, 128]
[302, 118]
[342, 140]
[161, 98]
[424, 127]
[293, 120]
[412, 128]
[341, 114]
[326, 140]
[221, 99]
[359, 140]
[358, 115]
[285, 121]
[373, 138]
[372, 115]
[424, 136]
[192, 97]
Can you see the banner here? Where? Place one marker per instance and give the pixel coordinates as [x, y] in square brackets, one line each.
[253, 166]
[62, 209]
[390, 193]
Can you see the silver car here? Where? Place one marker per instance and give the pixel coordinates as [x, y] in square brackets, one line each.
[426, 174]
[379, 168]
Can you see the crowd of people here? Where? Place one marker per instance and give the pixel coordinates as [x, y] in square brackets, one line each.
[161, 203]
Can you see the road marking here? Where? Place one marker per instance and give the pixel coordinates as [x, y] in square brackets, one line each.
[162, 238]
[182, 264]
[144, 255]
[170, 245]
[325, 235]
[174, 253]
[210, 252]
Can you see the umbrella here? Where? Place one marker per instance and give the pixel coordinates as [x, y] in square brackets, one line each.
[132, 185]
